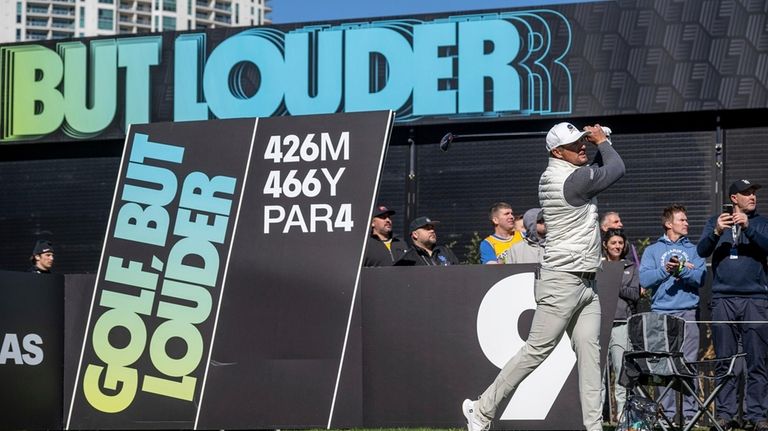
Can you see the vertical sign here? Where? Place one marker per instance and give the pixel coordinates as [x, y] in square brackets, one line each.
[167, 245]
[228, 273]
[294, 271]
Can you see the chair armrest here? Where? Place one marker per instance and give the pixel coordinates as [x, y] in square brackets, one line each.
[730, 359]
[635, 354]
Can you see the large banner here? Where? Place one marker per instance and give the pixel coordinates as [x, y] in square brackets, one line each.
[31, 350]
[283, 324]
[228, 272]
[576, 60]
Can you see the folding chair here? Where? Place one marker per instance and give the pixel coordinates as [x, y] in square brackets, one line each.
[655, 357]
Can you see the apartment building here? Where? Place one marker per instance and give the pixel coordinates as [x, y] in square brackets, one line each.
[22, 20]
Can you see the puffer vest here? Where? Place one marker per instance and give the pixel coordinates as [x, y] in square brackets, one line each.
[573, 233]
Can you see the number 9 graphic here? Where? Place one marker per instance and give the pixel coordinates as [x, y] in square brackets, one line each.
[498, 319]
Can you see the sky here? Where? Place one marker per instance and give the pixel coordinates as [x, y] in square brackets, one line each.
[295, 11]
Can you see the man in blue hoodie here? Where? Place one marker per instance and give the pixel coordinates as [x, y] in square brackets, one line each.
[738, 244]
[673, 271]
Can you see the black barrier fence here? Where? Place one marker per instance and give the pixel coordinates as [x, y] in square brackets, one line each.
[421, 339]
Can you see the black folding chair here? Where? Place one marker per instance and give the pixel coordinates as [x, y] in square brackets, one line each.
[655, 358]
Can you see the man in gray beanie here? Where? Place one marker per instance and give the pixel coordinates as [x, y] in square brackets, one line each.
[531, 248]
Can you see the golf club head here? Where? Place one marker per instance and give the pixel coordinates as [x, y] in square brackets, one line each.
[446, 141]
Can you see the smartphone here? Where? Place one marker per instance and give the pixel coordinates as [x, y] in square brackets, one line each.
[728, 209]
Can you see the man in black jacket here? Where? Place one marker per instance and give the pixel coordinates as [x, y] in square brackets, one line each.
[425, 250]
[383, 249]
[737, 240]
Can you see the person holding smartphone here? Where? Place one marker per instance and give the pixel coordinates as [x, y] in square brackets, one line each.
[737, 240]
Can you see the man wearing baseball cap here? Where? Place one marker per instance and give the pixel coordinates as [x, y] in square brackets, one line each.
[566, 290]
[424, 249]
[384, 248]
[737, 240]
[42, 257]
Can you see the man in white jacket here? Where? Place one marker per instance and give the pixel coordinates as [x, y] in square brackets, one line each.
[566, 292]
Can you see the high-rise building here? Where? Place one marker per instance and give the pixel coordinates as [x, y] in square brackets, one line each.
[22, 20]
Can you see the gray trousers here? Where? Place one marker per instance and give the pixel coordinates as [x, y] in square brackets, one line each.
[564, 303]
[617, 346]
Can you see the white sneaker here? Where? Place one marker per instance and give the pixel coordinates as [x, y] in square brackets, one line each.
[474, 422]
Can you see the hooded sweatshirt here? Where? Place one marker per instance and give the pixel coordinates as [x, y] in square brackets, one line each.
[672, 292]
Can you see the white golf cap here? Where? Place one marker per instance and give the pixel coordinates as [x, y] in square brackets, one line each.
[563, 134]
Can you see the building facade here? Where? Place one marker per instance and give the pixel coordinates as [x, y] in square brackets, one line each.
[28, 20]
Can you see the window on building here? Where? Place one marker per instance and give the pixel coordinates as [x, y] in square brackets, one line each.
[82, 16]
[169, 23]
[106, 19]
[169, 5]
[18, 12]
[237, 13]
[18, 34]
[34, 35]
[107, 1]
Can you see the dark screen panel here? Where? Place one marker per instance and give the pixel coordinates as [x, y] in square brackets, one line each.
[392, 185]
[458, 187]
[745, 157]
[64, 200]
[662, 169]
